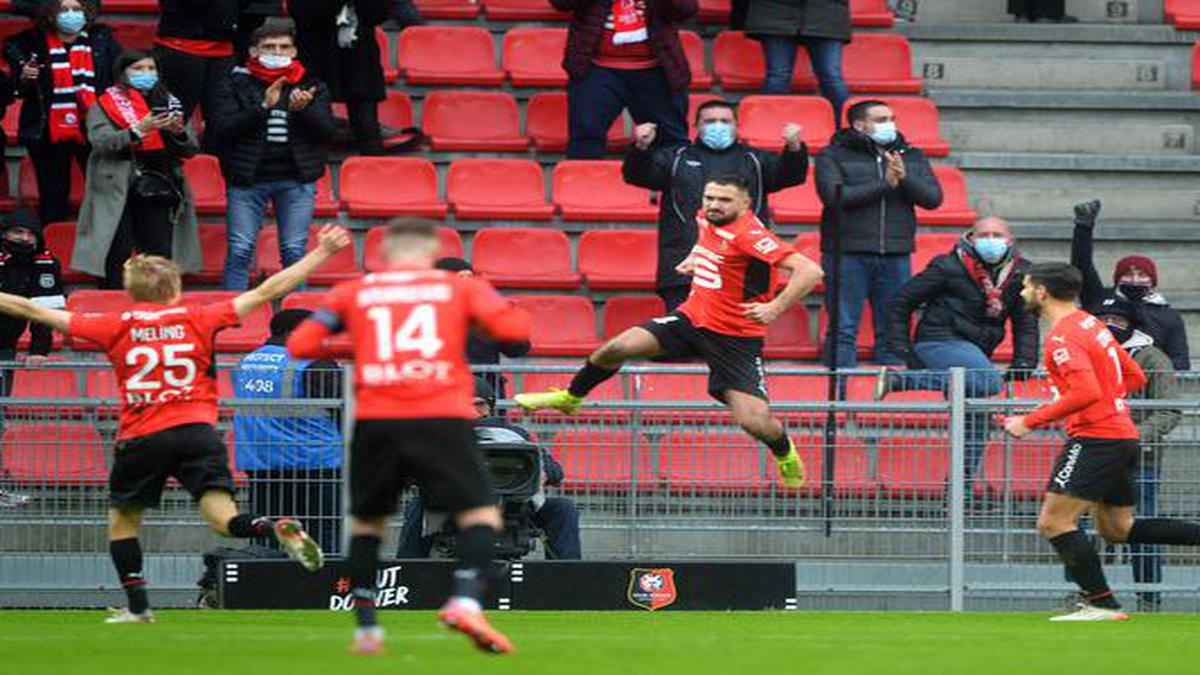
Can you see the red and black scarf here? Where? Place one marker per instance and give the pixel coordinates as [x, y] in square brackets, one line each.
[126, 107]
[292, 74]
[992, 290]
[73, 76]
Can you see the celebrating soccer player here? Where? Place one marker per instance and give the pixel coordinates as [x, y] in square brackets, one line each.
[162, 352]
[414, 415]
[1098, 467]
[722, 322]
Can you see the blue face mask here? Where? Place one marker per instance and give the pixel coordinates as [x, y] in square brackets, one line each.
[717, 135]
[143, 81]
[71, 20]
[991, 249]
[885, 133]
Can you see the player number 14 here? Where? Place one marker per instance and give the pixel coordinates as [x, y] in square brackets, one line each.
[418, 333]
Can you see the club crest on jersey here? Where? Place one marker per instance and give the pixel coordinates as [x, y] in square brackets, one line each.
[1061, 356]
[652, 589]
[46, 280]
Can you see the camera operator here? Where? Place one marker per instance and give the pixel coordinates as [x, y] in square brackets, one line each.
[557, 517]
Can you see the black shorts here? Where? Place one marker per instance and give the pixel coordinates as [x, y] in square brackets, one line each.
[734, 363]
[440, 455]
[1098, 470]
[192, 454]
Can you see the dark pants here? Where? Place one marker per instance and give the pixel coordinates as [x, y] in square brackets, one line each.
[1147, 558]
[1037, 9]
[673, 296]
[314, 496]
[826, 56]
[52, 167]
[865, 276]
[145, 227]
[363, 115]
[194, 80]
[596, 100]
[558, 519]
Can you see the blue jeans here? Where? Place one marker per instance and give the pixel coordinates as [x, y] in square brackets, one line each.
[865, 276]
[1147, 558]
[558, 519]
[596, 100]
[826, 56]
[294, 203]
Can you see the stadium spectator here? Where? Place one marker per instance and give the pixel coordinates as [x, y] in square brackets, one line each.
[274, 121]
[965, 297]
[337, 45]
[59, 65]
[405, 14]
[1039, 10]
[136, 196]
[254, 14]
[1135, 278]
[625, 54]
[556, 517]
[822, 27]
[680, 174]
[195, 50]
[29, 270]
[884, 179]
[292, 455]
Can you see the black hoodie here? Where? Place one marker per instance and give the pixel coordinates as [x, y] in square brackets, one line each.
[32, 273]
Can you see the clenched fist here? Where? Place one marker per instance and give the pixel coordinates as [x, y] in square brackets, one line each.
[644, 135]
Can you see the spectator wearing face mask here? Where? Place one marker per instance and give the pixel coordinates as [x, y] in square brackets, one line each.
[884, 180]
[29, 270]
[1135, 279]
[681, 172]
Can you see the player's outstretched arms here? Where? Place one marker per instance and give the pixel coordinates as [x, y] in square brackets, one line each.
[24, 308]
[330, 240]
[805, 276]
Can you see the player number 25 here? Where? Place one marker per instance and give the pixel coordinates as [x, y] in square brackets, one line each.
[173, 359]
[418, 333]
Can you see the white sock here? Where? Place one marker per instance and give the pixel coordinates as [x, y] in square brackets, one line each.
[470, 603]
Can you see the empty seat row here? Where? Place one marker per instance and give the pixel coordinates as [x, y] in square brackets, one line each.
[863, 13]
[1183, 14]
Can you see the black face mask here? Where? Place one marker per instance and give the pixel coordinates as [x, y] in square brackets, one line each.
[1121, 334]
[1134, 293]
[18, 249]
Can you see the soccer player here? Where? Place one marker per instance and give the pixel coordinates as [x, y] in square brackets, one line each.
[162, 352]
[1097, 470]
[722, 322]
[414, 415]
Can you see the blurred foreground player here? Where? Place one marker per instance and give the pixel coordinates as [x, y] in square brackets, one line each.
[1098, 468]
[414, 415]
[162, 352]
[722, 322]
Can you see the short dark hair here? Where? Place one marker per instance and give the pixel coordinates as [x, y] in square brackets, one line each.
[46, 15]
[1062, 281]
[273, 29]
[733, 179]
[858, 111]
[708, 105]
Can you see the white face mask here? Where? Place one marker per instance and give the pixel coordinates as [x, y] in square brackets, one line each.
[274, 61]
[884, 133]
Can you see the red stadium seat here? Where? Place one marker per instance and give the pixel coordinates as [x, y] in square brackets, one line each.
[498, 189]
[619, 259]
[954, 211]
[27, 186]
[376, 187]
[802, 389]
[132, 6]
[693, 48]
[623, 312]
[738, 61]
[790, 337]
[532, 57]
[610, 391]
[917, 119]
[452, 247]
[53, 454]
[563, 325]
[1004, 350]
[1183, 14]
[863, 13]
[339, 268]
[929, 246]
[486, 121]
[11, 26]
[386, 61]
[1018, 467]
[60, 240]
[448, 9]
[862, 388]
[691, 388]
[1196, 66]
[866, 330]
[594, 190]
[523, 10]
[762, 118]
[214, 244]
[880, 62]
[133, 34]
[312, 301]
[851, 472]
[799, 203]
[707, 462]
[394, 111]
[525, 258]
[326, 205]
[713, 11]
[43, 383]
[203, 174]
[96, 302]
[604, 459]
[12, 119]
[546, 124]
[248, 335]
[448, 55]
[914, 466]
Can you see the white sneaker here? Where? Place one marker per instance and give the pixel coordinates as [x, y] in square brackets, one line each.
[301, 547]
[1086, 612]
[123, 615]
[367, 641]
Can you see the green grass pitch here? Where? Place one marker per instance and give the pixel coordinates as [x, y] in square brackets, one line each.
[663, 643]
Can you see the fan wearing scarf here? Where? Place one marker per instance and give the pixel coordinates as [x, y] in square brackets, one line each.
[966, 297]
[60, 65]
[136, 198]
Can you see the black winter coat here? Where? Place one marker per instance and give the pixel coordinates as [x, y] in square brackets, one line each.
[354, 73]
[828, 19]
[954, 308]
[680, 174]
[879, 219]
[37, 275]
[239, 123]
[215, 20]
[32, 125]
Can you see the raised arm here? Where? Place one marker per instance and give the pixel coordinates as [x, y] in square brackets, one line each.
[330, 240]
[24, 308]
[1081, 253]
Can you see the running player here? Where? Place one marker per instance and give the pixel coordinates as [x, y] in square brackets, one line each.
[1097, 470]
[414, 415]
[163, 356]
[722, 322]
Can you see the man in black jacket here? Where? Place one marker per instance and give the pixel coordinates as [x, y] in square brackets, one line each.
[274, 123]
[884, 178]
[680, 173]
[965, 297]
[1135, 279]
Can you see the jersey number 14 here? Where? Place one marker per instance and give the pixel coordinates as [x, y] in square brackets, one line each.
[417, 333]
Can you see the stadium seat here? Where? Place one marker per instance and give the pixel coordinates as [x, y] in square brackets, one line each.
[801, 389]
[866, 330]
[563, 325]
[851, 471]
[872, 62]
[378, 187]
[341, 267]
[609, 459]
[386, 59]
[1018, 467]
[326, 205]
[706, 462]
[132, 6]
[546, 124]
[53, 454]
[929, 246]
[1183, 14]
[133, 34]
[954, 211]
[395, 111]
[594, 190]
[917, 119]
[448, 9]
[203, 175]
[42, 383]
[790, 337]
[532, 57]
[524, 258]
[738, 61]
[312, 301]
[11, 26]
[914, 466]
[626, 311]
[213, 246]
[523, 10]
[498, 189]
[60, 240]
[674, 388]
[799, 203]
[863, 13]
[246, 336]
[713, 11]
[619, 259]
[477, 121]
[1196, 66]
[862, 388]
[12, 119]
[762, 118]
[1004, 350]
[693, 49]
[452, 247]
[611, 390]
[27, 187]
[448, 55]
